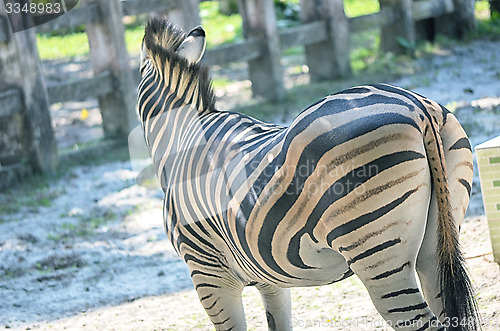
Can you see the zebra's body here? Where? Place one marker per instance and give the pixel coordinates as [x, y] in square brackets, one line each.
[353, 185]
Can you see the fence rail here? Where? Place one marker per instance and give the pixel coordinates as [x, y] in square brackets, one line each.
[81, 89]
[324, 32]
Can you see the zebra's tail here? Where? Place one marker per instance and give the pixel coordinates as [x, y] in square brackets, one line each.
[460, 307]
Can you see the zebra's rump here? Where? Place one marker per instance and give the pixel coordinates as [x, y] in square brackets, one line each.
[334, 157]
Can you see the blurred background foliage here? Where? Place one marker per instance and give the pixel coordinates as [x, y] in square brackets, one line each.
[223, 27]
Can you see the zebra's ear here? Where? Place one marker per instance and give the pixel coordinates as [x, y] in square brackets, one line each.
[193, 47]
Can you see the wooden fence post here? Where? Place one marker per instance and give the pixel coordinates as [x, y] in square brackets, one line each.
[458, 23]
[26, 127]
[109, 53]
[398, 37]
[327, 59]
[266, 74]
[186, 14]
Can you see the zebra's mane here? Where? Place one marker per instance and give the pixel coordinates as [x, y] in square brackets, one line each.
[161, 40]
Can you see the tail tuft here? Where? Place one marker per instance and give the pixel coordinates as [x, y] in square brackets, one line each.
[459, 304]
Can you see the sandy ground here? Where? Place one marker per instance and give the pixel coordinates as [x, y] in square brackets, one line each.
[88, 251]
[342, 306]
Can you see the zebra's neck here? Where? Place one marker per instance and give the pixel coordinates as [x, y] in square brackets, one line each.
[172, 104]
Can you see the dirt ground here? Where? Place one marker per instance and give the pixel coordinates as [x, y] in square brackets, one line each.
[88, 252]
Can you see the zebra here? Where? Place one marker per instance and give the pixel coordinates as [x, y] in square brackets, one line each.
[373, 181]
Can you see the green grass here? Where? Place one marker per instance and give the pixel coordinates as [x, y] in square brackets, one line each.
[75, 45]
[482, 8]
[220, 82]
[220, 29]
[133, 39]
[355, 8]
[364, 49]
[67, 46]
[487, 26]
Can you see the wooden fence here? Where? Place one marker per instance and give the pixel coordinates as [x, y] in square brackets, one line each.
[26, 137]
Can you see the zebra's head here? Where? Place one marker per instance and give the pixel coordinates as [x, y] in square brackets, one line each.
[162, 40]
[170, 58]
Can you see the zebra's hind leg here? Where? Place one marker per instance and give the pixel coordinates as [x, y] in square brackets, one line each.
[385, 261]
[278, 304]
[221, 300]
[397, 297]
